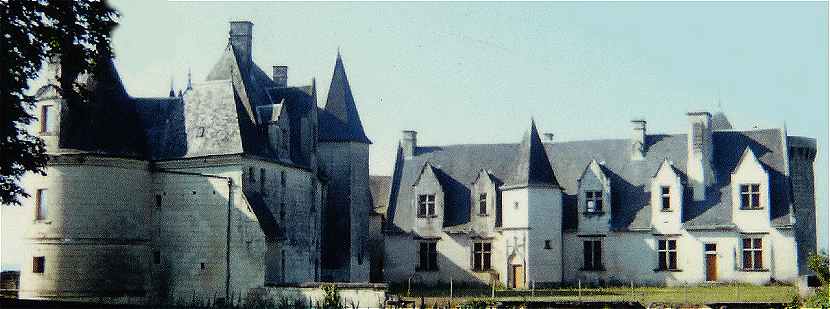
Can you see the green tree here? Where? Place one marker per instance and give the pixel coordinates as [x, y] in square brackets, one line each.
[75, 34]
[820, 265]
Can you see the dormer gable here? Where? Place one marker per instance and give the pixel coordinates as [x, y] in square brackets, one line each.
[594, 199]
[484, 201]
[428, 201]
[274, 120]
[666, 198]
[594, 180]
[750, 193]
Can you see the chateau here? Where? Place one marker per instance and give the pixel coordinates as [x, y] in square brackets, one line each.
[715, 204]
[234, 183]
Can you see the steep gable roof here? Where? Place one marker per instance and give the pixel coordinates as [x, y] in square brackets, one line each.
[532, 166]
[630, 180]
[340, 122]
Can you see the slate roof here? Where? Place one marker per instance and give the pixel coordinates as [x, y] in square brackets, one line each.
[107, 123]
[720, 122]
[379, 187]
[339, 121]
[532, 167]
[630, 180]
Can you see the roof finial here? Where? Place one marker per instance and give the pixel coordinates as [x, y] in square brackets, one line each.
[720, 105]
[189, 80]
[172, 92]
[338, 51]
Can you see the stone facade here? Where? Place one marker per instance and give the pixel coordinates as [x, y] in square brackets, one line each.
[224, 189]
[715, 204]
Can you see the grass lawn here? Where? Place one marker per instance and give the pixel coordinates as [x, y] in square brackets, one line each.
[644, 295]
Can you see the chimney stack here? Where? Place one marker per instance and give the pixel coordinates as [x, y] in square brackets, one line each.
[699, 147]
[281, 76]
[409, 142]
[638, 139]
[240, 38]
[548, 137]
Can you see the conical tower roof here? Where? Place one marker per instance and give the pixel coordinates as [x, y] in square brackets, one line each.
[532, 167]
[343, 122]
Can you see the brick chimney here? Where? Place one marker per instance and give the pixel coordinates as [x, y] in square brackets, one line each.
[409, 142]
[638, 139]
[240, 39]
[280, 76]
[699, 147]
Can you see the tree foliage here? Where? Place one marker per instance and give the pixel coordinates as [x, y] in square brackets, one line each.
[74, 34]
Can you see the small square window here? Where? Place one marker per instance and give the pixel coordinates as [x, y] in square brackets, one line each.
[38, 264]
[202, 265]
[593, 201]
[547, 245]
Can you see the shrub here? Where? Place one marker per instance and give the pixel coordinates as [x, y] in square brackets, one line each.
[331, 296]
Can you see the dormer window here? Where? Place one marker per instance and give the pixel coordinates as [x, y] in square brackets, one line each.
[665, 198]
[426, 205]
[751, 196]
[482, 204]
[593, 201]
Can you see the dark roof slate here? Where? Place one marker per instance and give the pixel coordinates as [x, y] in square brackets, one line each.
[339, 121]
[630, 180]
[532, 166]
[720, 122]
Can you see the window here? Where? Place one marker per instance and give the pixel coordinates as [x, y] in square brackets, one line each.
[482, 204]
[38, 264]
[426, 205]
[752, 254]
[666, 254]
[751, 196]
[547, 244]
[481, 256]
[202, 265]
[158, 200]
[262, 180]
[47, 119]
[593, 201]
[156, 257]
[592, 255]
[251, 175]
[201, 132]
[665, 198]
[41, 204]
[427, 256]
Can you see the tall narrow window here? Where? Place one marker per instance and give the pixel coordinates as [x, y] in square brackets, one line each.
[665, 198]
[427, 256]
[158, 200]
[47, 119]
[38, 264]
[592, 255]
[262, 180]
[593, 201]
[156, 257]
[698, 134]
[481, 256]
[251, 175]
[752, 254]
[666, 254]
[41, 204]
[751, 196]
[482, 204]
[426, 205]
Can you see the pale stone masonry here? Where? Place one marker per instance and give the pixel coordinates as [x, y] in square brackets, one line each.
[715, 204]
[238, 182]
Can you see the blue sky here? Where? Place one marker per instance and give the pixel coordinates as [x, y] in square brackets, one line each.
[477, 72]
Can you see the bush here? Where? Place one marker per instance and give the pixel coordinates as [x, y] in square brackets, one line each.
[331, 296]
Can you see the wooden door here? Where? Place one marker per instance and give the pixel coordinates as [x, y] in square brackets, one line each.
[711, 267]
[518, 277]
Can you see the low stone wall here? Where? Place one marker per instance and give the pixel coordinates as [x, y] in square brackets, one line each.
[352, 295]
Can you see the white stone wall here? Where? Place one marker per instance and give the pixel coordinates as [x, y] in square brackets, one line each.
[632, 256]
[544, 217]
[94, 238]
